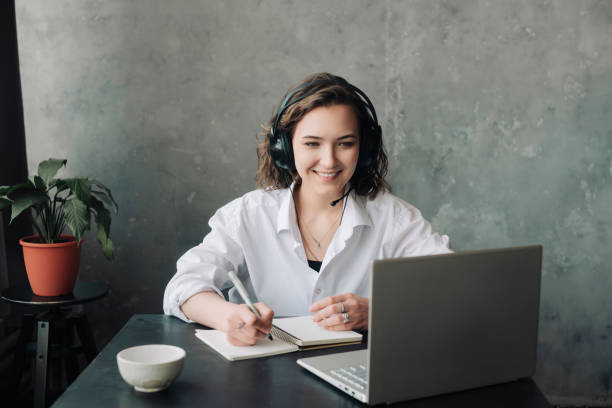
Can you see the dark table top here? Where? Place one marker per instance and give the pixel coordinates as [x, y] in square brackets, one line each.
[209, 380]
[83, 292]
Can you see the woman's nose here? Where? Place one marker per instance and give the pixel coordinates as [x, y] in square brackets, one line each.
[328, 157]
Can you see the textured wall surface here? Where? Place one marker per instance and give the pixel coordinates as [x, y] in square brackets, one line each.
[497, 117]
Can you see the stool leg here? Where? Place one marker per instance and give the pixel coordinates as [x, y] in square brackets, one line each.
[86, 338]
[25, 336]
[71, 363]
[55, 360]
[40, 382]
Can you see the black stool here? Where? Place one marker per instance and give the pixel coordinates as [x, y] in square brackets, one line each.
[56, 319]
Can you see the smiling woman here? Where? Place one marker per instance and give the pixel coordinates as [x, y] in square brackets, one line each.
[326, 148]
[299, 251]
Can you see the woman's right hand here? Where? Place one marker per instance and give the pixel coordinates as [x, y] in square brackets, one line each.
[243, 328]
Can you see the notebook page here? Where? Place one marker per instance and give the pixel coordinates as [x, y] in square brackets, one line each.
[217, 341]
[311, 333]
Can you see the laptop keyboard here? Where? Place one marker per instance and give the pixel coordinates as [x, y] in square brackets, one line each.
[356, 376]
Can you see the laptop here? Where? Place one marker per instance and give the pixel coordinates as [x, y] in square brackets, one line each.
[443, 323]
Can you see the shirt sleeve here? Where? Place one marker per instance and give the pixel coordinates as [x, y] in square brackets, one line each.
[414, 235]
[206, 266]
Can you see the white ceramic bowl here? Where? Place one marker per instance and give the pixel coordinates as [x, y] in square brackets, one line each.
[151, 367]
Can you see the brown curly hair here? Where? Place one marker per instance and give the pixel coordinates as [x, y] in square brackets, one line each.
[323, 89]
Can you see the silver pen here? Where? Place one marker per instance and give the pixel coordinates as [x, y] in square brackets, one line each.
[245, 296]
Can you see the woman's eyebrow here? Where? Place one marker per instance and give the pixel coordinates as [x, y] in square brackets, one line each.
[349, 136]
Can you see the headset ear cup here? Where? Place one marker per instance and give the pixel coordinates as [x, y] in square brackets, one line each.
[281, 150]
[369, 155]
[288, 151]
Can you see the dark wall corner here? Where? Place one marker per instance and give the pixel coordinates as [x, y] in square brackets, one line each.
[13, 163]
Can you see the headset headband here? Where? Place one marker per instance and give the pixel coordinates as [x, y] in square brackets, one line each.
[287, 102]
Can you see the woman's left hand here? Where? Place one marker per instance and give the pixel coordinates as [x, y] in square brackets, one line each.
[342, 312]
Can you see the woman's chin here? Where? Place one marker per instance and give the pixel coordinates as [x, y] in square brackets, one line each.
[325, 192]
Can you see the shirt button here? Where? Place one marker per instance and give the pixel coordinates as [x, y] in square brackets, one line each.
[318, 290]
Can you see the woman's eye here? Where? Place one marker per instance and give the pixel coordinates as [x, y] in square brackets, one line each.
[347, 144]
[312, 144]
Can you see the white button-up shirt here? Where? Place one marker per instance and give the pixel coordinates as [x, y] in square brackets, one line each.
[257, 236]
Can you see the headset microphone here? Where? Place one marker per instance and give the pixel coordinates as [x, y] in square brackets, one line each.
[333, 203]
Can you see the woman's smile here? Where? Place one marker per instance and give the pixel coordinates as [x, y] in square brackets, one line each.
[327, 175]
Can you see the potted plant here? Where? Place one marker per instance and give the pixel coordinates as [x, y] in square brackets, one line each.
[51, 257]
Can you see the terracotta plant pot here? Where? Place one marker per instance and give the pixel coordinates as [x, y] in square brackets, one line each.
[52, 268]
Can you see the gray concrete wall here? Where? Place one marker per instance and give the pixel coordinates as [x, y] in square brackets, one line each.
[496, 115]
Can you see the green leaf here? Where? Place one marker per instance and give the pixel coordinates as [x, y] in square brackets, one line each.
[25, 200]
[104, 198]
[80, 187]
[103, 221]
[101, 213]
[4, 189]
[108, 193]
[108, 248]
[77, 217]
[59, 184]
[5, 202]
[37, 182]
[19, 189]
[48, 169]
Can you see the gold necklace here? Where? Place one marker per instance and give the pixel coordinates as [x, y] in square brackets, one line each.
[318, 242]
[310, 253]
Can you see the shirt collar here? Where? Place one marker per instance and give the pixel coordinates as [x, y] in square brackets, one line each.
[287, 219]
[355, 213]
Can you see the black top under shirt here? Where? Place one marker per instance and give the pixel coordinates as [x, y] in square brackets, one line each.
[316, 265]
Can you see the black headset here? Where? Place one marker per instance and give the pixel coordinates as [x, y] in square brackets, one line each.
[281, 150]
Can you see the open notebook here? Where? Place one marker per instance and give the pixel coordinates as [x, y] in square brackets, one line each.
[290, 334]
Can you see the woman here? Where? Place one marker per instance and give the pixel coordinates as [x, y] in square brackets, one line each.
[303, 243]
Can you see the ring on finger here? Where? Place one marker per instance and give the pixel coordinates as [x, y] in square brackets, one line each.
[345, 318]
[341, 307]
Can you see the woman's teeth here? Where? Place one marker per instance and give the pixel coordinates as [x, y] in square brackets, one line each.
[327, 174]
